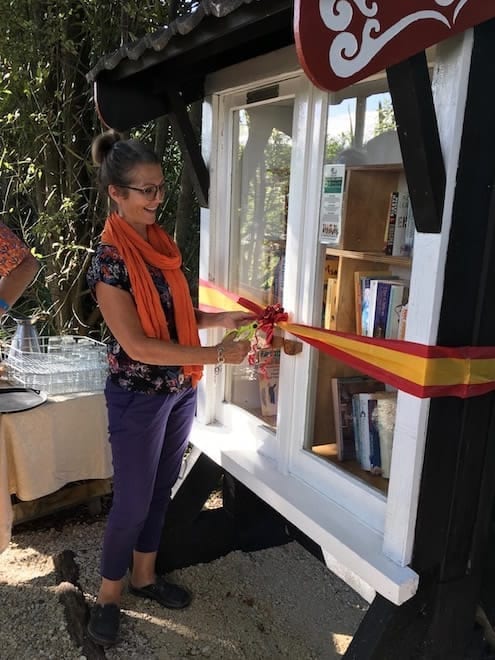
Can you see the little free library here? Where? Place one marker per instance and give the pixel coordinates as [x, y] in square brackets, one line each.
[345, 171]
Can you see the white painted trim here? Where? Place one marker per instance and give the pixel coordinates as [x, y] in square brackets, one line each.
[355, 547]
[430, 252]
[259, 71]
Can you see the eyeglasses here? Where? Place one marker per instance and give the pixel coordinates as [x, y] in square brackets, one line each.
[149, 192]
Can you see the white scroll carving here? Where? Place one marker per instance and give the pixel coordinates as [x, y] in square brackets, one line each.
[348, 54]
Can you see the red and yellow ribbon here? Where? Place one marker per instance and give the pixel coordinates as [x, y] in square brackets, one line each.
[418, 369]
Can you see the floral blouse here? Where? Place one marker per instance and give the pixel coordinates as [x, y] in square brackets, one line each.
[107, 266]
[12, 250]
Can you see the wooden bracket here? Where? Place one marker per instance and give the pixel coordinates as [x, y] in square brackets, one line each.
[417, 128]
[289, 346]
[189, 144]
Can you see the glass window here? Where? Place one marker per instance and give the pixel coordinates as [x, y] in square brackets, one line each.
[361, 135]
[260, 191]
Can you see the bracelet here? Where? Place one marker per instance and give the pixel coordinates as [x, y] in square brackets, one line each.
[4, 305]
[220, 359]
[220, 354]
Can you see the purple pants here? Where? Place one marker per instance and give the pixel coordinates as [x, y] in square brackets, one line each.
[148, 435]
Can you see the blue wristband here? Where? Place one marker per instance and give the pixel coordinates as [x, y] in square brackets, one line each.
[4, 305]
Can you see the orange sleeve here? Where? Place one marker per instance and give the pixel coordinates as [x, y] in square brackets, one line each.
[12, 250]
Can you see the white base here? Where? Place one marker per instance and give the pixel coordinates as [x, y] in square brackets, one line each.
[351, 549]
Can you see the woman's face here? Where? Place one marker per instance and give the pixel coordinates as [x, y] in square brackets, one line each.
[139, 207]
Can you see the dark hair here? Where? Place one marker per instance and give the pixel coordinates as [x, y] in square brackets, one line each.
[115, 158]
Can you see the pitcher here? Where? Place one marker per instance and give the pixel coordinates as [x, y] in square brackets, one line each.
[25, 339]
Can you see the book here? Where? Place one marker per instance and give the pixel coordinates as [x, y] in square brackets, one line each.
[398, 297]
[401, 332]
[374, 438]
[390, 224]
[359, 279]
[368, 301]
[330, 270]
[398, 246]
[409, 233]
[383, 289]
[359, 408]
[331, 303]
[378, 297]
[343, 389]
[363, 442]
[383, 415]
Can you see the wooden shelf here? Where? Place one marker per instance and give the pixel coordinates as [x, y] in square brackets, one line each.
[375, 257]
[329, 453]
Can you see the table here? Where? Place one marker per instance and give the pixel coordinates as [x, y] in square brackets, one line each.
[41, 450]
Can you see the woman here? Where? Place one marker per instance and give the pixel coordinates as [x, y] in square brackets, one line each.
[155, 360]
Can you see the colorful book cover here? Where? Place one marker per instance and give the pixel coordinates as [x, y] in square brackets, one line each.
[343, 389]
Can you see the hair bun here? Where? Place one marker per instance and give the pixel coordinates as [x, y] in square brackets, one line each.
[103, 144]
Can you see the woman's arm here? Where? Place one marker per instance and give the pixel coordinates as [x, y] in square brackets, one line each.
[228, 320]
[13, 285]
[119, 311]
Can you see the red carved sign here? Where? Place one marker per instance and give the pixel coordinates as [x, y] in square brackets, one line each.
[342, 41]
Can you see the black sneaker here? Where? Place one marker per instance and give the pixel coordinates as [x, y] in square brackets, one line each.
[103, 626]
[164, 592]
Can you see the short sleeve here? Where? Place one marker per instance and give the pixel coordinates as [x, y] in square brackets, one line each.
[12, 250]
[108, 267]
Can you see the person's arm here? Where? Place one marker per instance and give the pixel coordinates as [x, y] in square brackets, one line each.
[228, 320]
[14, 283]
[119, 311]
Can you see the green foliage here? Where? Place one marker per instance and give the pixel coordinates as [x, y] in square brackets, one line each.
[386, 119]
[47, 123]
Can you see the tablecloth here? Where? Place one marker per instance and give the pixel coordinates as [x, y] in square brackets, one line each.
[62, 441]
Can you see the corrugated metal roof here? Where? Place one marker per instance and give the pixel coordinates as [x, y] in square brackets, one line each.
[158, 40]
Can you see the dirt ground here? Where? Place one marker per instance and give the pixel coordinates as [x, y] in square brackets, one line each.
[271, 604]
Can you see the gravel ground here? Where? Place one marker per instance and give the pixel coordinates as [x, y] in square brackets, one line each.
[271, 604]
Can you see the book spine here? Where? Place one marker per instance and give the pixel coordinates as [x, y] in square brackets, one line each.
[394, 308]
[365, 304]
[391, 220]
[385, 420]
[355, 425]
[330, 303]
[345, 445]
[409, 233]
[375, 456]
[398, 246]
[358, 301]
[364, 432]
[381, 308]
[371, 308]
[401, 332]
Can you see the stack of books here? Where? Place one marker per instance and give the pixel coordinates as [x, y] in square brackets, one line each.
[381, 304]
[364, 416]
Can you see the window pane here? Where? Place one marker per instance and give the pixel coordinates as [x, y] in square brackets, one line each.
[261, 175]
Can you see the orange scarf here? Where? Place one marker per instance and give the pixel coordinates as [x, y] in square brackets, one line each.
[163, 253]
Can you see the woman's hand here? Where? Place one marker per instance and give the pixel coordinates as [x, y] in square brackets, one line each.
[233, 320]
[234, 351]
